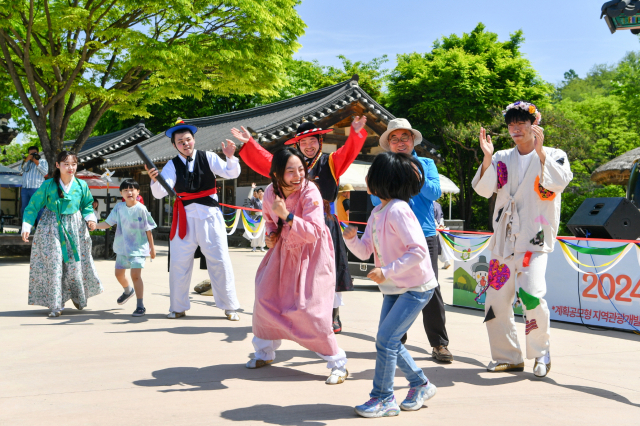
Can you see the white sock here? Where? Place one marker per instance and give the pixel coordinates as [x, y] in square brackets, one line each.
[545, 359]
[128, 289]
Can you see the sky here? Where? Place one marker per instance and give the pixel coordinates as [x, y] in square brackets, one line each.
[559, 35]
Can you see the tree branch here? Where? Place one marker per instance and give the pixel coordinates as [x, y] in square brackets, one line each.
[27, 65]
[107, 73]
[475, 152]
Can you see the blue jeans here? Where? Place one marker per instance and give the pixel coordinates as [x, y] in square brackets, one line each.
[25, 195]
[399, 311]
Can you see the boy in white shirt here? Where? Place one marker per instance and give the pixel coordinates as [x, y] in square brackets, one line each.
[133, 241]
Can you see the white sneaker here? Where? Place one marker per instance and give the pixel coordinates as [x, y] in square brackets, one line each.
[54, 314]
[447, 264]
[174, 315]
[257, 363]
[338, 375]
[253, 250]
[262, 249]
[417, 396]
[542, 365]
[232, 315]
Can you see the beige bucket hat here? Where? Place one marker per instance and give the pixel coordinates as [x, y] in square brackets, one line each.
[345, 187]
[395, 124]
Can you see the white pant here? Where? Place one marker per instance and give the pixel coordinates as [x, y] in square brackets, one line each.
[266, 351]
[337, 300]
[503, 337]
[209, 234]
[259, 242]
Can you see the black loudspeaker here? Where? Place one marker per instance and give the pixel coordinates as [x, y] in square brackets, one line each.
[615, 218]
[360, 210]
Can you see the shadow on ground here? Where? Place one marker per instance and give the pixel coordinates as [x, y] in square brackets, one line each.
[234, 334]
[211, 378]
[303, 414]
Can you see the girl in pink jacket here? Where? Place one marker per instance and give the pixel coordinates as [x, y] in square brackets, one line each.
[295, 282]
[404, 274]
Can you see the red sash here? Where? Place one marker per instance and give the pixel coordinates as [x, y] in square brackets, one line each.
[180, 215]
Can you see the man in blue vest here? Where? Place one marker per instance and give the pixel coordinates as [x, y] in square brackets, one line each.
[401, 138]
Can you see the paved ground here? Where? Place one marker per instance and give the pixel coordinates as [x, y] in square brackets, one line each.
[103, 367]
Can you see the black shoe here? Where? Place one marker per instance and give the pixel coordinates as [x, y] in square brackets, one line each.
[125, 297]
[337, 326]
[139, 312]
[404, 339]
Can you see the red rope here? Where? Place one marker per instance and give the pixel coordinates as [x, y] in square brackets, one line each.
[241, 208]
[467, 232]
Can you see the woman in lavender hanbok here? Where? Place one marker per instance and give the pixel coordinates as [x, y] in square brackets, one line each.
[295, 282]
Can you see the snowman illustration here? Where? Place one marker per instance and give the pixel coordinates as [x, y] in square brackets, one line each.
[480, 272]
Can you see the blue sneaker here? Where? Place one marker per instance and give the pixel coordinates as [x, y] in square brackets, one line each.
[417, 396]
[377, 407]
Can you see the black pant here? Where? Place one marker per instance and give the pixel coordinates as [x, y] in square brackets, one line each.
[433, 314]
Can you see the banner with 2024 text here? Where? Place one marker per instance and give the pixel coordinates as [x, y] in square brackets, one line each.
[608, 295]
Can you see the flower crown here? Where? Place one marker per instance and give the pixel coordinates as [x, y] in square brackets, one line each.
[525, 106]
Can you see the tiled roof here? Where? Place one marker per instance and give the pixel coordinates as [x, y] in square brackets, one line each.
[271, 123]
[615, 8]
[99, 146]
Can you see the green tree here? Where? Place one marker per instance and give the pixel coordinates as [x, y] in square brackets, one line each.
[163, 115]
[598, 82]
[14, 152]
[300, 77]
[124, 55]
[304, 76]
[461, 83]
[604, 122]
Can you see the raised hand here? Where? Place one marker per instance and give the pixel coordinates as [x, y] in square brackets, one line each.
[350, 232]
[539, 138]
[242, 135]
[358, 123]
[485, 144]
[280, 208]
[538, 143]
[229, 149]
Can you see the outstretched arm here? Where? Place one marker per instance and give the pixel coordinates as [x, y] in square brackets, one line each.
[340, 160]
[362, 248]
[256, 157]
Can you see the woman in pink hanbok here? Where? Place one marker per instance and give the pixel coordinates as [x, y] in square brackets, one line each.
[295, 282]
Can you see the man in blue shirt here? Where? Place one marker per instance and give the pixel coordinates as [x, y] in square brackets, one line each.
[34, 168]
[401, 138]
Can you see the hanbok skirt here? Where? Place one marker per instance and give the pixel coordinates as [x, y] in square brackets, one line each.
[343, 276]
[53, 282]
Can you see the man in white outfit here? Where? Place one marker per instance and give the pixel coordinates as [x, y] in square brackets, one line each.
[528, 180]
[197, 219]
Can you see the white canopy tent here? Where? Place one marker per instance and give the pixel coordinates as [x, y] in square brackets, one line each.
[448, 187]
[357, 172]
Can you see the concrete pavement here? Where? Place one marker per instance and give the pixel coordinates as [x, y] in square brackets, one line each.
[101, 366]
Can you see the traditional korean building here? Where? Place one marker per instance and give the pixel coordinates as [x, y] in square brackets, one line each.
[97, 147]
[91, 156]
[271, 125]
